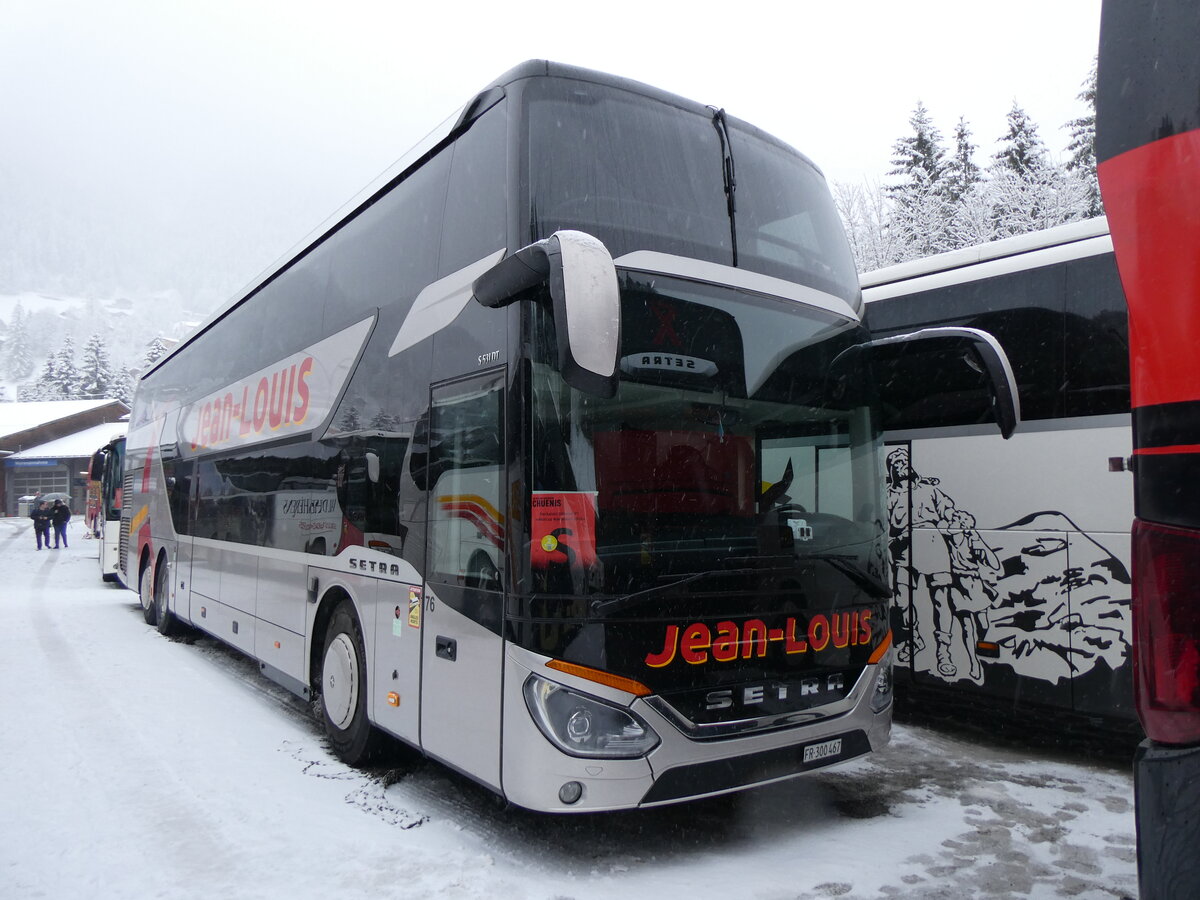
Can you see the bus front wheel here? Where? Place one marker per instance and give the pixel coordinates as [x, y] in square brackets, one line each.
[344, 689]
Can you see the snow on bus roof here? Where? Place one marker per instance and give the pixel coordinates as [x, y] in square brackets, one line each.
[967, 256]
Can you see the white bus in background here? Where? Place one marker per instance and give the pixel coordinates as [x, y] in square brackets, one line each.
[1010, 559]
[105, 488]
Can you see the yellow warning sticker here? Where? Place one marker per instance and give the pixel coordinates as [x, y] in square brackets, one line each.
[414, 607]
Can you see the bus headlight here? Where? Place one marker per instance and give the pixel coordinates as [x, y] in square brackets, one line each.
[883, 686]
[584, 726]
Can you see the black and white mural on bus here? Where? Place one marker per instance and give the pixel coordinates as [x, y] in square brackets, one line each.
[1034, 598]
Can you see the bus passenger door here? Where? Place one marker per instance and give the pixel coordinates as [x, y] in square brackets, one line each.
[462, 648]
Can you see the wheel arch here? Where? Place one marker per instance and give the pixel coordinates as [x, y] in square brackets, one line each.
[325, 606]
[143, 561]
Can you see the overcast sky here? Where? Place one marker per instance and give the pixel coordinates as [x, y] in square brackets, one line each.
[169, 120]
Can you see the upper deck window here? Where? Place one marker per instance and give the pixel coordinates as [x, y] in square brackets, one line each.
[641, 174]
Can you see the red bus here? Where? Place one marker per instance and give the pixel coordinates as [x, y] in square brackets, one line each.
[1148, 150]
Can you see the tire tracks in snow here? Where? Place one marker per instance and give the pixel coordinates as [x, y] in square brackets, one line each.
[164, 803]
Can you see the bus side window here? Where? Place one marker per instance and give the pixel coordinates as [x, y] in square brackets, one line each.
[178, 474]
[464, 474]
[1097, 346]
[476, 201]
[1023, 310]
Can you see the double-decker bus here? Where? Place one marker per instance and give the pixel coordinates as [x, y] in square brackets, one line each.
[105, 483]
[1011, 559]
[1148, 150]
[556, 456]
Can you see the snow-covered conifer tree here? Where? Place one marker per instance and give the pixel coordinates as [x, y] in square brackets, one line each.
[918, 159]
[920, 212]
[66, 374]
[1021, 148]
[961, 173]
[155, 351]
[124, 383]
[1082, 147]
[18, 352]
[96, 374]
[46, 386]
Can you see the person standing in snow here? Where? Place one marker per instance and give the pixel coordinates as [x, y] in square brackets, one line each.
[41, 524]
[60, 516]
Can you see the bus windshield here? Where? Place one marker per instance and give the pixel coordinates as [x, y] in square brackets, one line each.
[734, 448]
[645, 175]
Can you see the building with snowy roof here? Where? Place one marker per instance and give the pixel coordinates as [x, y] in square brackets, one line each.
[46, 446]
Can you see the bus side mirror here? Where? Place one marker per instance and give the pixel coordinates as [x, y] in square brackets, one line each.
[938, 348]
[372, 466]
[586, 298]
[96, 466]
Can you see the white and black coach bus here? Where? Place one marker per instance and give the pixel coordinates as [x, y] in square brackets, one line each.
[104, 505]
[556, 457]
[1010, 560]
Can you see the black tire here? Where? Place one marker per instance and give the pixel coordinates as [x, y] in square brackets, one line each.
[168, 624]
[344, 689]
[146, 595]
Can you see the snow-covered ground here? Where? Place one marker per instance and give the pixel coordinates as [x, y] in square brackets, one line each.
[133, 766]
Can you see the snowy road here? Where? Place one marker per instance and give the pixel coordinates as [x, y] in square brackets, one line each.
[134, 766]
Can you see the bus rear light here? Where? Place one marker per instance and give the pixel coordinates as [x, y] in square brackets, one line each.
[1166, 631]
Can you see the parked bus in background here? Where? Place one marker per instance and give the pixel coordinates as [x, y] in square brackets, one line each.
[1010, 560]
[596, 533]
[105, 485]
[1148, 149]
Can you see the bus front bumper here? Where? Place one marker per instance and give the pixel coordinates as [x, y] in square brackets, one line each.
[535, 774]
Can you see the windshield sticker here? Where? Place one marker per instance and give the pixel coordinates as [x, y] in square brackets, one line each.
[697, 643]
[564, 529]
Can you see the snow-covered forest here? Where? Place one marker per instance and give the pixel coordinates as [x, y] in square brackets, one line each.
[70, 348]
[938, 197]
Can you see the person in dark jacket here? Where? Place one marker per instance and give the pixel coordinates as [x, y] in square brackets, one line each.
[60, 515]
[41, 524]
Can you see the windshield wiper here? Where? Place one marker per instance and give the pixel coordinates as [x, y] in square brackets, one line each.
[843, 563]
[616, 604]
[727, 175]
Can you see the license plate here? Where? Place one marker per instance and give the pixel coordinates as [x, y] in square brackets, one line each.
[814, 752]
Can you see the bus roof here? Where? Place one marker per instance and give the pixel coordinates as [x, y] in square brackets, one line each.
[969, 256]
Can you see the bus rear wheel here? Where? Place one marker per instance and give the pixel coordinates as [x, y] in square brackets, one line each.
[146, 595]
[344, 689]
[168, 624]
